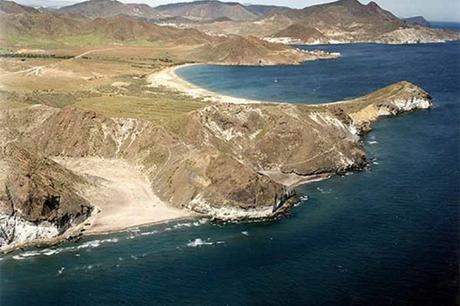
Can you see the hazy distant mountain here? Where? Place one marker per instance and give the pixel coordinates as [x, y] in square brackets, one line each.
[106, 8]
[52, 25]
[305, 34]
[264, 9]
[340, 21]
[418, 20]
[345, 18]
[10, 7]
[25, 28]
[208, 10]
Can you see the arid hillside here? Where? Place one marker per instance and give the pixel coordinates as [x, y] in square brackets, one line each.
[71, 34]
[208, 10]
[108, 8]
[340, 21]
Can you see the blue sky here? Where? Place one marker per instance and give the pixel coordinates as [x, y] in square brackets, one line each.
[434, 10]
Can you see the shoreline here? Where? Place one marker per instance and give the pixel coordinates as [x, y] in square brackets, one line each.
[75, 233]
[293, 42]
[169, 79]
[70, 233]
[121, 199]
[122, 196]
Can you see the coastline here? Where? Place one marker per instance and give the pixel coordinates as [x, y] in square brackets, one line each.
[168, 78]
[122, 196]
[70, 233]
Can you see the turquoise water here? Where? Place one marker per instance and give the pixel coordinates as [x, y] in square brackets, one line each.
[385, 236]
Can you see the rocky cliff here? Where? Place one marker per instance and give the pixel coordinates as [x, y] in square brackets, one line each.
[38, 198]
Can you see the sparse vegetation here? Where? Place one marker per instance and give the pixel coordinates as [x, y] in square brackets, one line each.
[161, 107]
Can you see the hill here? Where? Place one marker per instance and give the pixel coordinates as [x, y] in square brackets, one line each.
[341, 21]
[10, 7]
[138, 37]
[107, 8]
[208, 10]
[262, 10]
[302, 33]
[418, 20]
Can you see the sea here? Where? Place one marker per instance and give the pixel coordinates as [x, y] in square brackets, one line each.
[388, 235]
[453, 26]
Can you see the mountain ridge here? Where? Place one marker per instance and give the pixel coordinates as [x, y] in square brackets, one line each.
[108, 8]
[343, 21]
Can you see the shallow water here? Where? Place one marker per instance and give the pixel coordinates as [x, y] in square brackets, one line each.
[389, 235]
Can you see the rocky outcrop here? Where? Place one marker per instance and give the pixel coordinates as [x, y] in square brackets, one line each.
[38, 198]
[417, 34]
[417, 21]
[410, 98]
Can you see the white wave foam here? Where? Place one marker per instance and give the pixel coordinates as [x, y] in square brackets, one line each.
[96, 243]
[181, 225]
[49, 251]
[323, 191]
[245, 233]
[198, 242]
[136, 232]
[148, 233]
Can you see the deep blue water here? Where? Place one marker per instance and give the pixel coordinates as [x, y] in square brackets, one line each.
[454, 26]
[386, 236]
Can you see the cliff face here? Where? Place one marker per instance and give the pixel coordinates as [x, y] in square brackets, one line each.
[38, 198]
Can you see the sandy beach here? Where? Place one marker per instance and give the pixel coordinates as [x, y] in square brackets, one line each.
[168, 78]
[122, 195]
